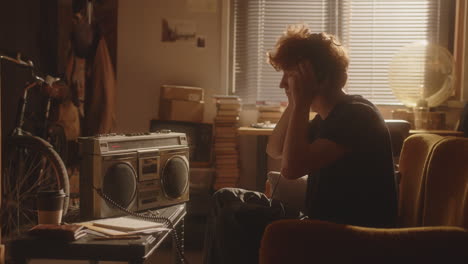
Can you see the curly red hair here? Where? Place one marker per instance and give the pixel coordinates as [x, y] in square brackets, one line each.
[326, 54]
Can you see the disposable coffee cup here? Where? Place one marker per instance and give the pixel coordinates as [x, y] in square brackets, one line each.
[50, 206]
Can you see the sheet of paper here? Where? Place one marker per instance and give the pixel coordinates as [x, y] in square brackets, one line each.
[106, 231]
[126, 223]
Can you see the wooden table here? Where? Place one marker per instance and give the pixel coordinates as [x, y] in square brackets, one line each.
[132, 251]
[261, 135]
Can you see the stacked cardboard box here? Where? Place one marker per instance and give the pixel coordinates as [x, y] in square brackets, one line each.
[181, 103]
[269, 113]
[226, 142]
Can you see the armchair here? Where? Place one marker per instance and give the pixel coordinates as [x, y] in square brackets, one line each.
[433, 216]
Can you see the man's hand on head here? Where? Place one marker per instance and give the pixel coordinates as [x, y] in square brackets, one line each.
[303, 85]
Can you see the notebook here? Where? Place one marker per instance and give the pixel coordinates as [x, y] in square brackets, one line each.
[126, 223]
[67, 232]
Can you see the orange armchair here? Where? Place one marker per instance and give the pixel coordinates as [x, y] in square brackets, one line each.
[312, 241]
[433, 216]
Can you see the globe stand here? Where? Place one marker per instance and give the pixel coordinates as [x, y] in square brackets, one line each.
[421, 117]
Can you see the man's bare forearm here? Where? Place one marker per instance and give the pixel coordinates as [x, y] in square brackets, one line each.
[276, 140]
[295, 146]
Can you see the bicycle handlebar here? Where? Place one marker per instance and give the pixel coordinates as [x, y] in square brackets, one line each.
[29, 64]
[18, 61]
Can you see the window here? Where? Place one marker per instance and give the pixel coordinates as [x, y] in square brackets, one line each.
[372, 31]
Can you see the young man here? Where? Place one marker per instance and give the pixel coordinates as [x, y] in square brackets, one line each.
[345, 151]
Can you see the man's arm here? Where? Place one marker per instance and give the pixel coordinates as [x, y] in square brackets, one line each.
[301, 157]
[276, 140]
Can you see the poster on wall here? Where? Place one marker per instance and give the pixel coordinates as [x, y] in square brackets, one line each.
[181, 31]
[178, 30]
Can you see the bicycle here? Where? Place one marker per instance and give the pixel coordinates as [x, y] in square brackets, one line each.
[30, 163]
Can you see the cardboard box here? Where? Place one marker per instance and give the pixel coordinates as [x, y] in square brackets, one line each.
[185, 93]
[181, 110]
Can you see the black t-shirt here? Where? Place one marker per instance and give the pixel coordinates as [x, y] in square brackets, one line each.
[359, 188]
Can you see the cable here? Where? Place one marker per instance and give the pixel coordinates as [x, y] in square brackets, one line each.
[157, 219]
[276, 185]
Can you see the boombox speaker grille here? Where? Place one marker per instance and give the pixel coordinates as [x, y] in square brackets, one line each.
[175, 177]
[119, 183]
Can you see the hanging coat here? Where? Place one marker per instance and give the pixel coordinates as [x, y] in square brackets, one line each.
[99, 103]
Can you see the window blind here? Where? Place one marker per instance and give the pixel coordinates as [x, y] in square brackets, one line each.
[258, 24]
[372, 31]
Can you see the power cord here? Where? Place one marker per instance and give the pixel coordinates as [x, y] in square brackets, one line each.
[276, 185]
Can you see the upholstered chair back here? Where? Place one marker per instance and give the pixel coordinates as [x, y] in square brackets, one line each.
[446, 196]
[414, 157]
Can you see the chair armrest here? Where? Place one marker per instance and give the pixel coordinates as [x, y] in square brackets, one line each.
[312, 241]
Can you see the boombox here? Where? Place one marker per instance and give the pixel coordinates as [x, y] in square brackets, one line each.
[138, 171]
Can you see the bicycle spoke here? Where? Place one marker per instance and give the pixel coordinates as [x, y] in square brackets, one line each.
[28, 196]
[30, 166]
[27, 217]
[44, 172]
[6, 185]
[24, 176]
[48, 171]
[12, 222]
[32, 162]
[33, 186]
[10, 176]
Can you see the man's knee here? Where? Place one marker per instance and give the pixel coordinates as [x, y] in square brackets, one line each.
[227, 194]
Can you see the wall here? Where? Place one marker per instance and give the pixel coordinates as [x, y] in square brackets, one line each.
[145, 63]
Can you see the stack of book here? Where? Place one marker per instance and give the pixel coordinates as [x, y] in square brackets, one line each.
[67, 232]
[225, 141]
[269, 113]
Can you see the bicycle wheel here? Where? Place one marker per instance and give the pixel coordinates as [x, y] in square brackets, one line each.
[56, 137]
[30, 165]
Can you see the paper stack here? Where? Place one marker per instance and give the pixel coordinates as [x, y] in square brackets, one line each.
[226, 142]
[269, 113]
[123, 226]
